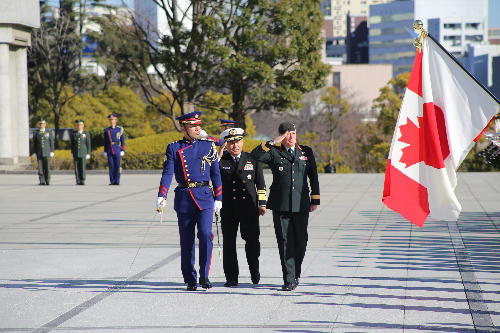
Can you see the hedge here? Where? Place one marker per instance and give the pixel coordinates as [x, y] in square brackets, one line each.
[146, 152]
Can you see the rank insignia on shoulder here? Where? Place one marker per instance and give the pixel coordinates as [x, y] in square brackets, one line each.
[303, 158]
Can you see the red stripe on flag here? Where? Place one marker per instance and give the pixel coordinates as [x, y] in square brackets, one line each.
[476, 139]
[405, 196]
[415, 81]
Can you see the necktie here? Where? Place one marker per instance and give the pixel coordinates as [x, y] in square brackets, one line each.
[236, 160]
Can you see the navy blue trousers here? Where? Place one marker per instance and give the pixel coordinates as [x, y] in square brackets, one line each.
[202, 219]
[114, 163]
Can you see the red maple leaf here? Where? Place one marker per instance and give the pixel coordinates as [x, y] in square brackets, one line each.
[428, 142]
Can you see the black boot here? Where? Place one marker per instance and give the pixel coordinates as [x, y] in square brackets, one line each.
[205, 283]
[231, 284]
[255, 278]
[192, 286]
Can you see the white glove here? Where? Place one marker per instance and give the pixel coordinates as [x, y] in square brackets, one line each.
[87, 157]
[51, 154]
[160, 203]
[203, 134]
[122, 153]
[217, 206]
[105, 154]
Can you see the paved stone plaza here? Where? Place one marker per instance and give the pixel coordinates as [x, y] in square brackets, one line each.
[95, 258]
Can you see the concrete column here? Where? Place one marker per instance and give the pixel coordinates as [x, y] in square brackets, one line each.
[13, 101]
[22, 106]
[5, 107]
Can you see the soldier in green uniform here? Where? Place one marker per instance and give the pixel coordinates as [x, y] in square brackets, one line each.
[43, 142]
[289, 198]
[80, 147]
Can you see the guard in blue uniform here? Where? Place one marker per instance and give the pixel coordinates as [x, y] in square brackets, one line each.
[193, 161]
[226, 124]
[114, 148]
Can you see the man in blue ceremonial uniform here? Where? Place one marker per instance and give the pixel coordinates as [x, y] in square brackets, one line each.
[226, 124]
[114, 148]
[193, 161]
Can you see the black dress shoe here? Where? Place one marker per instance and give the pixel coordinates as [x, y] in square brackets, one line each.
[289, 286]
[255, 278]
[231, 284]
[205, 283]
[191, 286]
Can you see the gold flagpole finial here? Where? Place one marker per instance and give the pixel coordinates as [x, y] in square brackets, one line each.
[418, 25]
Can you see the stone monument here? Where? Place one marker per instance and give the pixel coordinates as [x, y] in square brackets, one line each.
[17, 19]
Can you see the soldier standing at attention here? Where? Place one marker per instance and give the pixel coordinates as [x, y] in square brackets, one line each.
[80, 148]
[43, 142]
[291, 165]
[193, 161]
[244, 200]
[114, 148]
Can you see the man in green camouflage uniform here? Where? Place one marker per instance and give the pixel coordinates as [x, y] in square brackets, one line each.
[80, 147]
[289, 197]
[43, 142]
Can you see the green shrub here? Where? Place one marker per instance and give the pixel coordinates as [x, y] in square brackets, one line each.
[62, 160]
[147, 152]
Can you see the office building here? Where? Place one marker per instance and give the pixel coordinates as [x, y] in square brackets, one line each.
[454, 23]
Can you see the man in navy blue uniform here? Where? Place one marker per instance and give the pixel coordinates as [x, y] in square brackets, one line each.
[114, 148]
[193, 161]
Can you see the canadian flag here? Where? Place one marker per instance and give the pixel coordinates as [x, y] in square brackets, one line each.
[444, 111]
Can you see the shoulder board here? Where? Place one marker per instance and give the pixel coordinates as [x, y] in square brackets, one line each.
[207, 140]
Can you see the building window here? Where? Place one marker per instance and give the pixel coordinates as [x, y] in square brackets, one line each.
[391, 56]
[472, 26]
[453, 26]
[474, 38]
[391, 18]
[454, 40]
[336, 80]
[326, 7]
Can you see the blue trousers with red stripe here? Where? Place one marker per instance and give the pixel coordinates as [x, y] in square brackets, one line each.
[187, 220]
[114, 164]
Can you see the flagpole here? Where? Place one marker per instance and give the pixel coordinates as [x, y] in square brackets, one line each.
[419, 26]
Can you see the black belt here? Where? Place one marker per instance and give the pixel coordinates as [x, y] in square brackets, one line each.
[192, 184]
